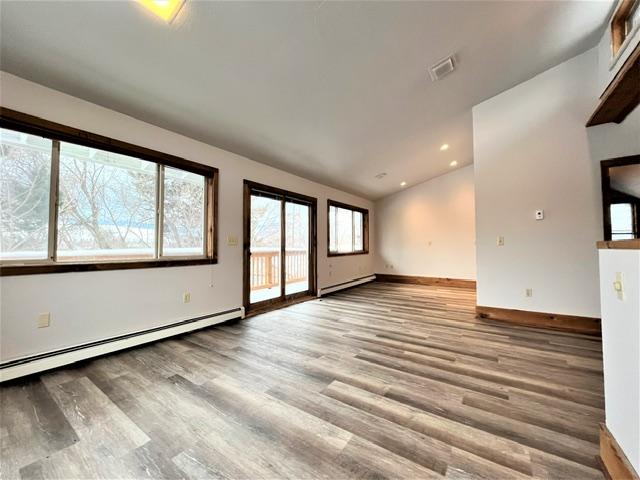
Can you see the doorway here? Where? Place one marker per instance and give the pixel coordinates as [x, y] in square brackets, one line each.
[279, 246]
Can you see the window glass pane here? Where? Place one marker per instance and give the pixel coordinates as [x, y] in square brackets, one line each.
[344, 230]
[184, 213]
[358, 242]
[296, 248]
[332, 229]
[25, 176]
[621, 221]
[265, 244]
[107, 205]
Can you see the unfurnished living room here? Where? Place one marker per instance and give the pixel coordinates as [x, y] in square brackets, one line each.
[320, 240]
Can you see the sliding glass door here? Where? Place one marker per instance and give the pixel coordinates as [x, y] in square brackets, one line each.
[279, 246]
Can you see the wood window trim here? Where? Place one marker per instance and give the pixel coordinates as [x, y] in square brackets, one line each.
[250, 187]
[25, 123]
[619, 36]
[605, 179]
[365, 229]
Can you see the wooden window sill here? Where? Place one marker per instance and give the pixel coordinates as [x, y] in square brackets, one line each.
[42, 268]
[345, 254]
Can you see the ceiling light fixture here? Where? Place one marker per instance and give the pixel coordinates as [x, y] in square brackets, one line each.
[453, 164]
[444, 146]
[403, 184]
[165, 9]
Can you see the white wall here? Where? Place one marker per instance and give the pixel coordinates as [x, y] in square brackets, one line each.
[94, 305]
[621, 349]
[429, 229]
[531, 152]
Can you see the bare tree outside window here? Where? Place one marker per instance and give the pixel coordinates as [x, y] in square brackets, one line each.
[107, 205]
[184, 213]
[25, 176]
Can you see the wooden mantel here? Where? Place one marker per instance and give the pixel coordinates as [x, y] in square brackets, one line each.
[622, 95]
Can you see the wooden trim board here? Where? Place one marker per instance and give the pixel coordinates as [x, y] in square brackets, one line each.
[615, 464]
[431, 281]
[554, 321]
[619, 244]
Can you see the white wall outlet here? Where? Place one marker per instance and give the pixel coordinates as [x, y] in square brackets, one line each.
[186, 297]
[539, 214]
[618, 286]
[529, 292]
[232, 240]
[44, 320]
[500, 241]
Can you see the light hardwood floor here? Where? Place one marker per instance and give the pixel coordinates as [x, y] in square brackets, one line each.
[380, 381]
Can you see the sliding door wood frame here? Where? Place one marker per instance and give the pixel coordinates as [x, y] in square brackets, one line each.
[285, 196]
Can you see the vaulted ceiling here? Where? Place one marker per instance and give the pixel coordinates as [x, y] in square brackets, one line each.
[333, 91]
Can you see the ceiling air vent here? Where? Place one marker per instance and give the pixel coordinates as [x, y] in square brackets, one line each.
[442, 68]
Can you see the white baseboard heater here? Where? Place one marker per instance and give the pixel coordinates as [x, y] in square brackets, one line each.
[341, 286]
[57, 358]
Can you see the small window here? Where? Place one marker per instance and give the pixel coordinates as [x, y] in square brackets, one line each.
[624, 23]
[622, 221]
[75, 201]
[348, 229]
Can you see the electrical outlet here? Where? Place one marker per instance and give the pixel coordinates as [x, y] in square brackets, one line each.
[529, 292]
[539, 214]
[44, 320]
[232, 240]
[500, 241]
[186, 297]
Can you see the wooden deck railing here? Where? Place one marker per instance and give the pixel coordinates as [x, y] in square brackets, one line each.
[265, 268]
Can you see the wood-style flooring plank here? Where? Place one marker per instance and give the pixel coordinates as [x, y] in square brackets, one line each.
[381, 381]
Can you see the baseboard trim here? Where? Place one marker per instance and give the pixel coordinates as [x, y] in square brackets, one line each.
[431, 281]
[341, 286]
[615, 464]
[567, 323]
[45, 361]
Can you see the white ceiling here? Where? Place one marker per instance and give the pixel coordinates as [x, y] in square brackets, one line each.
[334, 91]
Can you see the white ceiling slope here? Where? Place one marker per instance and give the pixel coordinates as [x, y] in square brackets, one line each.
[333, 91]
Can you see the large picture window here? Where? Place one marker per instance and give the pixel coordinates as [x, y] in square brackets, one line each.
[73, 201]
[348, 229]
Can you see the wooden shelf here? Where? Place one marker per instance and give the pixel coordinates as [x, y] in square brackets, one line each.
[622, 95]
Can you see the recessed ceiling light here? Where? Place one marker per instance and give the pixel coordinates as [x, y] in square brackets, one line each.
[165, 9]
[403, 184]
[444, 146]
[453, 164]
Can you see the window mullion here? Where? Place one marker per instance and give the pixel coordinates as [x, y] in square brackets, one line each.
[353, 231]
[159, 209]
[54, 201]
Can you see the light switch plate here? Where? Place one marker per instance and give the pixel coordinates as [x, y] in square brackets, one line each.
[186, 297]
[500, 241]
[232, 240]
[44, 320]
[618, 286]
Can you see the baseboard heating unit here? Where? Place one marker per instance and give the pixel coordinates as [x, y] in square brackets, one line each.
[341, 286]
[57, 358]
